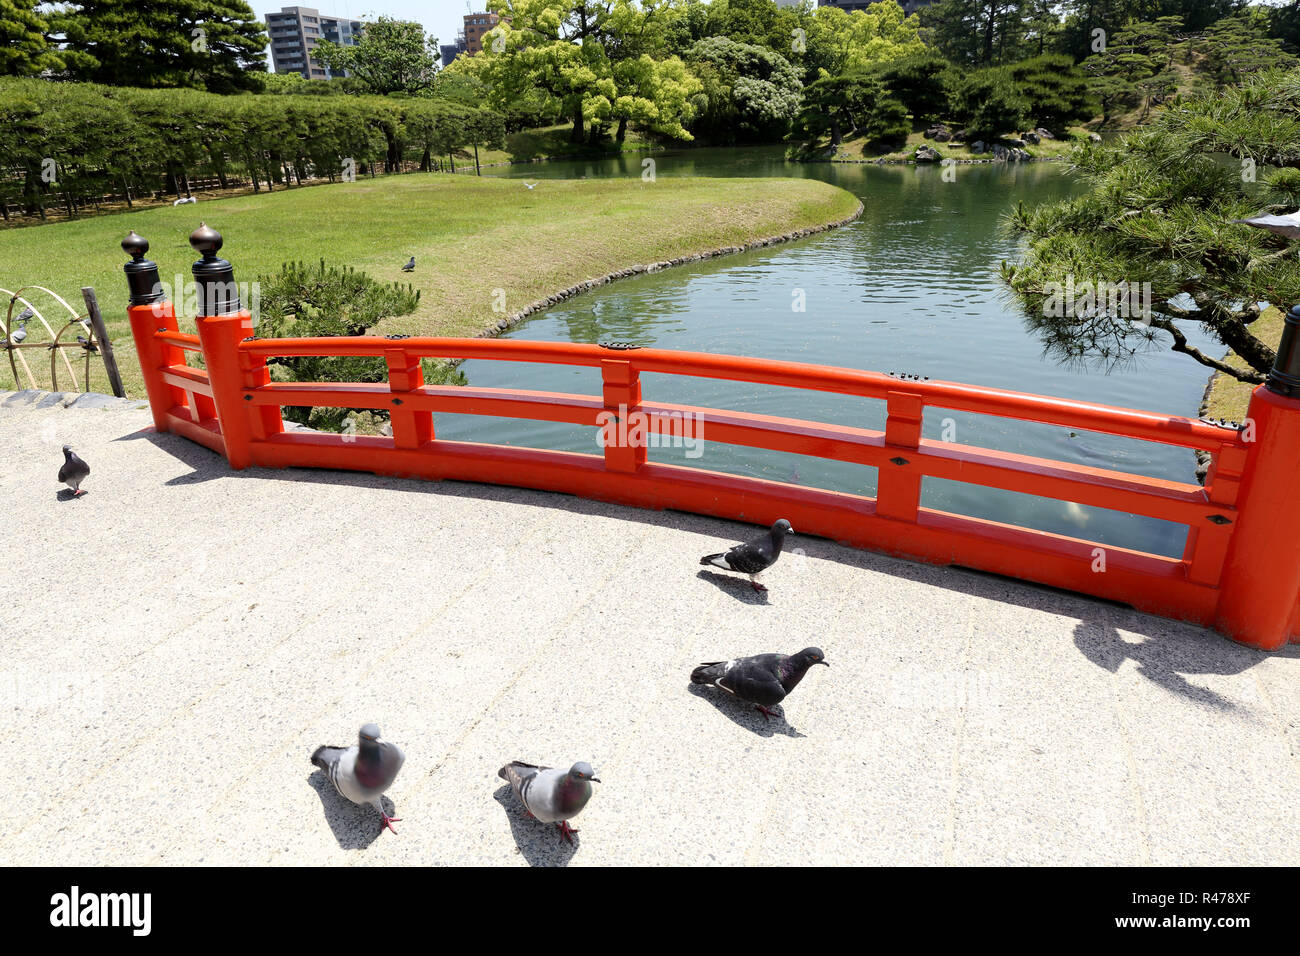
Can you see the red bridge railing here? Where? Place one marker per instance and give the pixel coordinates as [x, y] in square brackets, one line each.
[1239, 571]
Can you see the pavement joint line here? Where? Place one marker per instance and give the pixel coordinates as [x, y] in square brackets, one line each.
[556, 632]
[1275, 717]
[1134, 781]
[188, 705]
[415, 631]
[954, 780]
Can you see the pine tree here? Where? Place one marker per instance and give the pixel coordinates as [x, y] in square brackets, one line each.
[216, 45]
[1158, 216]
[24, 50]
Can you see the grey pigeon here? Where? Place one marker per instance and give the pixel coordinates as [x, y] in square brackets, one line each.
[362, 772]
[410, 266]
[73, 472]
[552, 796]
[762, 680]
[1287, 226]
[753, 557]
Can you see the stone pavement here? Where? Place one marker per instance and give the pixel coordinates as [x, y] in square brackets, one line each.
[178, 640]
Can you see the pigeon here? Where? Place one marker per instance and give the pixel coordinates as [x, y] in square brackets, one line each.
[186, 199]
[362, 772]
[86, 344]
[531, 185]
[552, 796]
[762, 680]
[73, 472]
[20, 334]
[753, 557]
[1287, 226]
[410, 266]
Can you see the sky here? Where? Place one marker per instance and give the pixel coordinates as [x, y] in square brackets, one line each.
[442, 18]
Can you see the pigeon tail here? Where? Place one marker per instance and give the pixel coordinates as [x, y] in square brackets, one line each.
[708, 673]
[714, 559]
[505, 772]
[323, 758]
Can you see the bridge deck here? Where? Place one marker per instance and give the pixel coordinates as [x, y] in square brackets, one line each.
[217, 626]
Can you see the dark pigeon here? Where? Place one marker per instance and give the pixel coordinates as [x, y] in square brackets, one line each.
[552, 796]
[753, 557]
[73, 472]
[410, 266]
[763, 680]
[362, 772]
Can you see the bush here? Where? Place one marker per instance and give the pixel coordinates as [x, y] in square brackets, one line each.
[301, 301]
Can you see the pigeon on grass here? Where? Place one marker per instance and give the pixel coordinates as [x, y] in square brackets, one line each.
[73, 472]
[753, 557]
[362, 772]
[552, 796]
[763, 680]
[410, 266]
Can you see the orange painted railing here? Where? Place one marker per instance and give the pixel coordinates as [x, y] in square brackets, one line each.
[1239, 571]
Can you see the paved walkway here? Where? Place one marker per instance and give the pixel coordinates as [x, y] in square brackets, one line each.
[177, 641]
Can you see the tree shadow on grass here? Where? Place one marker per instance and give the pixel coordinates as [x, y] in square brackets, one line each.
[540, 843]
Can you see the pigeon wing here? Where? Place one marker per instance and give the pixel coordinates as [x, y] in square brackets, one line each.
[755, 679]
[752, 556]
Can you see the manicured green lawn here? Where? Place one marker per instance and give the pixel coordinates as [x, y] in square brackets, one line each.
[1228, 397]
[469, 235]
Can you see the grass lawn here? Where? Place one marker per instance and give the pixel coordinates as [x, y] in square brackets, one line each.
[1228, 397]
[469, 236]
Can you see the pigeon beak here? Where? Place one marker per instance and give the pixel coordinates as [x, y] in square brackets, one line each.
[827, 663]
[594, 779]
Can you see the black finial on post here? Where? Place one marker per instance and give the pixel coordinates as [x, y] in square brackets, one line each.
[1285, 375]
[213, 277]
[141, 273]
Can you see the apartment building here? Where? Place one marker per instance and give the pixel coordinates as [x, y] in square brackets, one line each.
[295, 31]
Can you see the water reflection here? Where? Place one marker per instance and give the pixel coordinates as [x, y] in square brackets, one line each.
[912, 286]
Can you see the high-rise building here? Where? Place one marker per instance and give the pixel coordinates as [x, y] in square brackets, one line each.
[295, 31]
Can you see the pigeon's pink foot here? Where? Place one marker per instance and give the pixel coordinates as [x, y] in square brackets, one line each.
[757, 586]
[765, 712]
[567, 831]
[389, 821]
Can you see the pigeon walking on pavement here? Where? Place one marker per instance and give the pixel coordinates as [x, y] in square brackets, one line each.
[552, 796]
[410, 266]
[362, 772]
[763, 680]
[73, 472]
[753, 557]
[1287, 226]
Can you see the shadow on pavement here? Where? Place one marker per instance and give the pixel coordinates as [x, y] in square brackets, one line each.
[355, 826]
[743, 714]
[739, 588]
[540, 843]
[1168, 651]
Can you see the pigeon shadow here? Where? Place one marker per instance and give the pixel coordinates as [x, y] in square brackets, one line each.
[540, 843]
[739, 588]
[355, 826]
[67, 494]
[743, 714]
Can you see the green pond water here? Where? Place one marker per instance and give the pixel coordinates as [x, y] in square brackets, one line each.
[912, 286]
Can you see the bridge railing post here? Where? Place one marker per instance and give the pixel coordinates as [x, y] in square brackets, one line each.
[149, 311]
[898, 483]
[222, 325]
[1260, 586]
[625, 432]
[411, 429]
